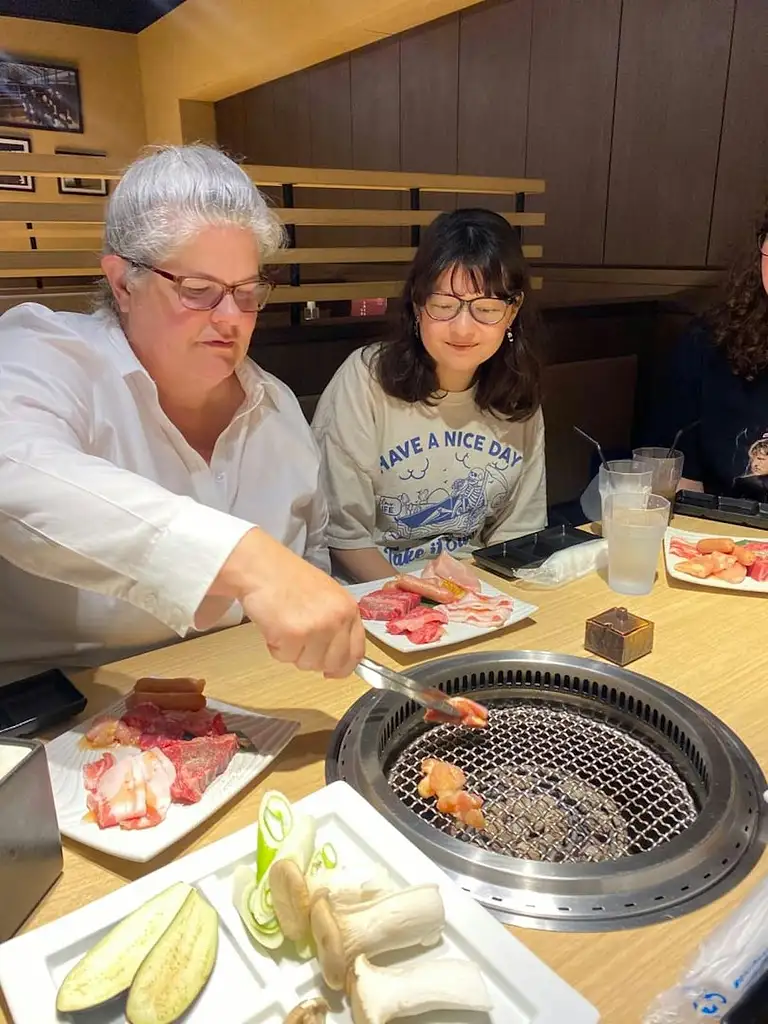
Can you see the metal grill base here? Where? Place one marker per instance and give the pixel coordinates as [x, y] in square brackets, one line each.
[610, 800]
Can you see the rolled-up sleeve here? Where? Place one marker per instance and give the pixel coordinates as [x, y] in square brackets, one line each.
[69, 516]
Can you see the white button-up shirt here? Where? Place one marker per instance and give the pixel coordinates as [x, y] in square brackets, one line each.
[112, 527]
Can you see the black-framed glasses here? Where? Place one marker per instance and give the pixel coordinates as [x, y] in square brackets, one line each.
[488, 311]
[203, 293]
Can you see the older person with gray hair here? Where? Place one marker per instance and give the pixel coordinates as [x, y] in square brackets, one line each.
[154, 481]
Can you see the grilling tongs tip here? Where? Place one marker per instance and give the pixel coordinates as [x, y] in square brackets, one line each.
[383, 678]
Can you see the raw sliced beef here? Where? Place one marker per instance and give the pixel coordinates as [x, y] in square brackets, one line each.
[383, 605]
[423, 625]
[197, 763]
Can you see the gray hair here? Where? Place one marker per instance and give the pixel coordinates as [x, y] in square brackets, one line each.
[166, 196]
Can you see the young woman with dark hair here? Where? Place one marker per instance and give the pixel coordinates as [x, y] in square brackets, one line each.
[435, 440]
[718, 379]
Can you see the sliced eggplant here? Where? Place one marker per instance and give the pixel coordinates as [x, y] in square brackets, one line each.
[110, 967]
[176, 971]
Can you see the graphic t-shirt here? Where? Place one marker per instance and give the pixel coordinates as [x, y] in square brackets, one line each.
[728, 450]
[414, 479]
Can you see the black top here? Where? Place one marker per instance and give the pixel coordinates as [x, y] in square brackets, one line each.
[728, 451]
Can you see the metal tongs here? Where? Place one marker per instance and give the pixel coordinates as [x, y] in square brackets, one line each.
[387, 679]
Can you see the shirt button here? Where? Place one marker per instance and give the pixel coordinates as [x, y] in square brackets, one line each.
[219, 477]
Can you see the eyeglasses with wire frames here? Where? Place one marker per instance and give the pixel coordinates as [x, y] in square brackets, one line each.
[204, 293]
[485, 310]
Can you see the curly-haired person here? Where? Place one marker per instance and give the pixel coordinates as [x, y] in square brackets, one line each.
[717, 379]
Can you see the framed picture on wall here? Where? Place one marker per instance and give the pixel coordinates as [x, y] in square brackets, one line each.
[16, 182]
[39, 95]
[83, 186]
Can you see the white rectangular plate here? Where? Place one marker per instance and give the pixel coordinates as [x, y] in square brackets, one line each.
[250, 986]
[67, 754]
[455, 632]
[753, 586]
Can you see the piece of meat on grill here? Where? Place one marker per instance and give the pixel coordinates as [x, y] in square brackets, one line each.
[473, 715]
[446, 781]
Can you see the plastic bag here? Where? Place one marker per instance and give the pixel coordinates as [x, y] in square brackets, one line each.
[732, 957]
[568, 565]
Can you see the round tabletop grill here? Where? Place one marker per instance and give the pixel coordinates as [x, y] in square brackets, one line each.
[610, 800]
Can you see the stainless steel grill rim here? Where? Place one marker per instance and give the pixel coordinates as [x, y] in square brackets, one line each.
[587, 889]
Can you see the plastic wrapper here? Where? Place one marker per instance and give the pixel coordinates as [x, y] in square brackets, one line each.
[568, 565]
[732, 957]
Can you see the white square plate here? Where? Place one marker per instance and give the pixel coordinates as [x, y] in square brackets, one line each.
[250, 986]
[753, 586]
[455, 632]
[67, 754]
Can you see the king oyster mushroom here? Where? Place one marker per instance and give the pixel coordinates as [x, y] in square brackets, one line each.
[311, 1011]
[381, 994]
[292, 890]
[409, 917]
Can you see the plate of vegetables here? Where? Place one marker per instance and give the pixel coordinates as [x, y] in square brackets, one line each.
[323, 913]
[727, 563]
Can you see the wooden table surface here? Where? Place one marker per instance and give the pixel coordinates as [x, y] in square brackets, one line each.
[707, 645]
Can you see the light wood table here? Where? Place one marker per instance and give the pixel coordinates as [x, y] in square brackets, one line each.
[708, 645]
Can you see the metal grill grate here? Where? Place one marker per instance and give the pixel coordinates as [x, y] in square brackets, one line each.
[558, 785]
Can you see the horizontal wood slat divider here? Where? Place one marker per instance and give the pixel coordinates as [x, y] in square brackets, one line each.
[691, 277]
[349, 290]
[44, 165]
[93, 213]
[366, 254]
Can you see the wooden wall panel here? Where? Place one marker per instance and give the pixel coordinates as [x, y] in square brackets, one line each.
[330, 106]
[742, 174]
[429, 79]
[493, 95]
[574, 54]
[230, 124]
[375, 89]
[669, 101]
[263, 139]
[292, 122]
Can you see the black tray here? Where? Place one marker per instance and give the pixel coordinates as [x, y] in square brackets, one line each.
[738, 511]
[530, 551]
[30, 705]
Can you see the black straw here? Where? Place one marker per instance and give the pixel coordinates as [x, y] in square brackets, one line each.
[679, 434]
[591, 440]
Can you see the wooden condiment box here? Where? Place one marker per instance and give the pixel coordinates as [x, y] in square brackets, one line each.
[619, 636]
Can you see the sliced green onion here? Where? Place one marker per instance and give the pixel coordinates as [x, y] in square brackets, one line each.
[324, 858]
[275, 824]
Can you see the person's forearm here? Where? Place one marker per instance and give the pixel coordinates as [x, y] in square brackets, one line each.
[363, 564]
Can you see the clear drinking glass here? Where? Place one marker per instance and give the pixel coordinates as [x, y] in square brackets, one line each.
[666, 466]
[624, 476]
[635, 526]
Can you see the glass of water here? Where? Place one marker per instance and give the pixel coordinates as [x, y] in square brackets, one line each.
[635, 526]
[624, 476]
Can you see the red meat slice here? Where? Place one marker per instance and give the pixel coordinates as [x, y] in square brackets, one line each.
[145, 724]
[198, 762]
[94, 770]
[383, 605]
[417, 619]
[427, 633]
[759, 570]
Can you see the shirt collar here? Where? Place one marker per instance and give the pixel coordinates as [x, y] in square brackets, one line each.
[255, 382]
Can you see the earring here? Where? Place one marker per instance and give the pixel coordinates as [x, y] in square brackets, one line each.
[510, 335]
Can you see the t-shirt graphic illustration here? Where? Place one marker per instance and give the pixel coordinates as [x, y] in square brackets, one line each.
[474, 482]
[751, 457]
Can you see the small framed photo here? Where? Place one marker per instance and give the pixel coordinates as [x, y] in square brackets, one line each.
[16, 182]
[83, 186]
[35, 94]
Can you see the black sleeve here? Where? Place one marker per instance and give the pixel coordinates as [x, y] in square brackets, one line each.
[677, 403]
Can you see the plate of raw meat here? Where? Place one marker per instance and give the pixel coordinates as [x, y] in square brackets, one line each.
[134, 779]
[729, 563]
[447, 603]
